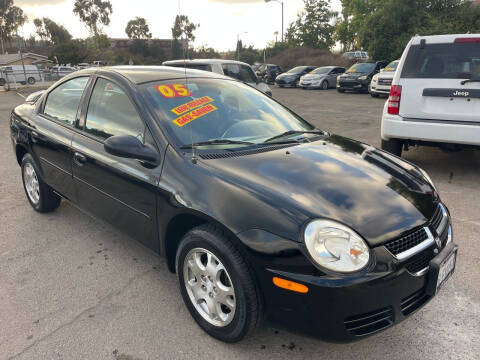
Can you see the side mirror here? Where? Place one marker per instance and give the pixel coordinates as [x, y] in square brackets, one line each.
[128, 146]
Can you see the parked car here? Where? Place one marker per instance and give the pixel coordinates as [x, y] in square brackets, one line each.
[435, 95]
[356, 55]
[321, 78]
[382, 81]
[236, 69]
[292, 77]
[61, 71]
[269, 72]
[256, 210]
[359, 76]
[83, 65]
[19, 74]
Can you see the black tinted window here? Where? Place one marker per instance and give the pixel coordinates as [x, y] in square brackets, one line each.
[110, 112]
[444, 61]
[204, 67]
[240, 72]
[62, 103]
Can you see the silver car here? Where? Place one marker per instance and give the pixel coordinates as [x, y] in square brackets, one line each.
[321, 78]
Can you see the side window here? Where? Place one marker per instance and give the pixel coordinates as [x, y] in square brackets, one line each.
[240, 72]
[62, 102]
[111, 113]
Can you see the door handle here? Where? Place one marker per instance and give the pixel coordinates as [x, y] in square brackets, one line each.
[34, 136]
[79, 159]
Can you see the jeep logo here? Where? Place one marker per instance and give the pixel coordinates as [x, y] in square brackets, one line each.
[461, 93]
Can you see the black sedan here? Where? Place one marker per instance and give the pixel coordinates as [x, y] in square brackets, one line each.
[358, 76]
[256, 210]
[291, 78]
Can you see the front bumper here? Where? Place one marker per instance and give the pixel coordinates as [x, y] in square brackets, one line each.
[354, 85]
[310, 85]
[289, 83]
[342, 309]
[379, 89]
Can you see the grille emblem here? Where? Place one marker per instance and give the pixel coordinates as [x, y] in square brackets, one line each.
[438, 242]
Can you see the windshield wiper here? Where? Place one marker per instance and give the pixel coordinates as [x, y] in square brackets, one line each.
[294, 132]
[216, 142]
[469, 80]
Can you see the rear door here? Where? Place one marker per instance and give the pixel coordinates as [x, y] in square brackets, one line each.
[52, 133]
[432, 79]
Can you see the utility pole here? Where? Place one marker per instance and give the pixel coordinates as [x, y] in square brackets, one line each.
[21, 53]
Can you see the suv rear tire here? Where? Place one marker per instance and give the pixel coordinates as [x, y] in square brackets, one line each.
[393, 146]
[40, 196]
[217, 284]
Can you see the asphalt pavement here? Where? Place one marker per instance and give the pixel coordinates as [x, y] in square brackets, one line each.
[72, 287]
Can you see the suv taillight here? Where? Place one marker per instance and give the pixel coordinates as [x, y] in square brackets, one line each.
[394, 99]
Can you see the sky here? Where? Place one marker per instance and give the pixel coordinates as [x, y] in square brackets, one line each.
[220, 20]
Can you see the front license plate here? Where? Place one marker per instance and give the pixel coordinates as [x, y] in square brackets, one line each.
[446, 269]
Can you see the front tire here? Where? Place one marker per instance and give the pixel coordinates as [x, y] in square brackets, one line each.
[217, 284]
[373, 95]
[324, 85]
[393, 146]
[40, 196]
[31, 80]
[341, 90]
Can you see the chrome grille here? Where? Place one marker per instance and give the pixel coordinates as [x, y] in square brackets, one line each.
[384, 81]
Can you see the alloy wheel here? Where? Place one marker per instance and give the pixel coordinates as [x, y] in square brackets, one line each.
[31, 183]
[209, 287]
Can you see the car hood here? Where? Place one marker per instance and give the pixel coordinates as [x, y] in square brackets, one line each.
[313, 77]
[287, 76]
[355, 75]
[376, 194]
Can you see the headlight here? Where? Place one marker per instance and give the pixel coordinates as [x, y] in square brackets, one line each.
[362, 78]
[335, 246]
[427, 178]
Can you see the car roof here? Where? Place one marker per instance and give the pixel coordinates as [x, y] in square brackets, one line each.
[441, 39]
[205, 61]
[142, 74]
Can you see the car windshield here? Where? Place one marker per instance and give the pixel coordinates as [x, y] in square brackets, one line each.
[203, 110]
[361, 68]
[443, 61]
[392, 66]
[320, 70]
[297, 70]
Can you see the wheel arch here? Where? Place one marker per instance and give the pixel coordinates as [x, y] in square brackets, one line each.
[20, 151]
[178, 226]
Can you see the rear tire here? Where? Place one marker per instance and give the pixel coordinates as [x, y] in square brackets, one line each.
[393, 146]
[31, 80]
[232, 289]
[2, 82]
[40, 196]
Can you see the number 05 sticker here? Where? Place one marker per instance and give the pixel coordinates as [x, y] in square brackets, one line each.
[174, 91]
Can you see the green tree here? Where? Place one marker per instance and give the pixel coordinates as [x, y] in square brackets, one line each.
[49, 30]
[94, 13]
[138, 29]
[182, 28]
[11, 17]
[313, 25]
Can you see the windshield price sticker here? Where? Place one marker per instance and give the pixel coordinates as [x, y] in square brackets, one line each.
[170, 91]
[179, 110]
[194, 114]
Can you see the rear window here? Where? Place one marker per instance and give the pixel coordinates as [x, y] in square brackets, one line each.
[443, 61]
[204, 67]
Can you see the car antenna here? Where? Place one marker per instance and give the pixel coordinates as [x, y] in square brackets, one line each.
[194, 159]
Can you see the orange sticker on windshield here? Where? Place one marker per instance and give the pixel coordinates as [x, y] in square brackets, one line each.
[194, 114]
[179, 110]
[170, 91]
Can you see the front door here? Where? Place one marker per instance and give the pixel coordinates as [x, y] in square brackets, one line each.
[119, 190]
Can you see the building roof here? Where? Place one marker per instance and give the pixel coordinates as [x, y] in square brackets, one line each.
[10, 58]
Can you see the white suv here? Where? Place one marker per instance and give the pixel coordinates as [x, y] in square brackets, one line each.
[435, 95]
[236, 69]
